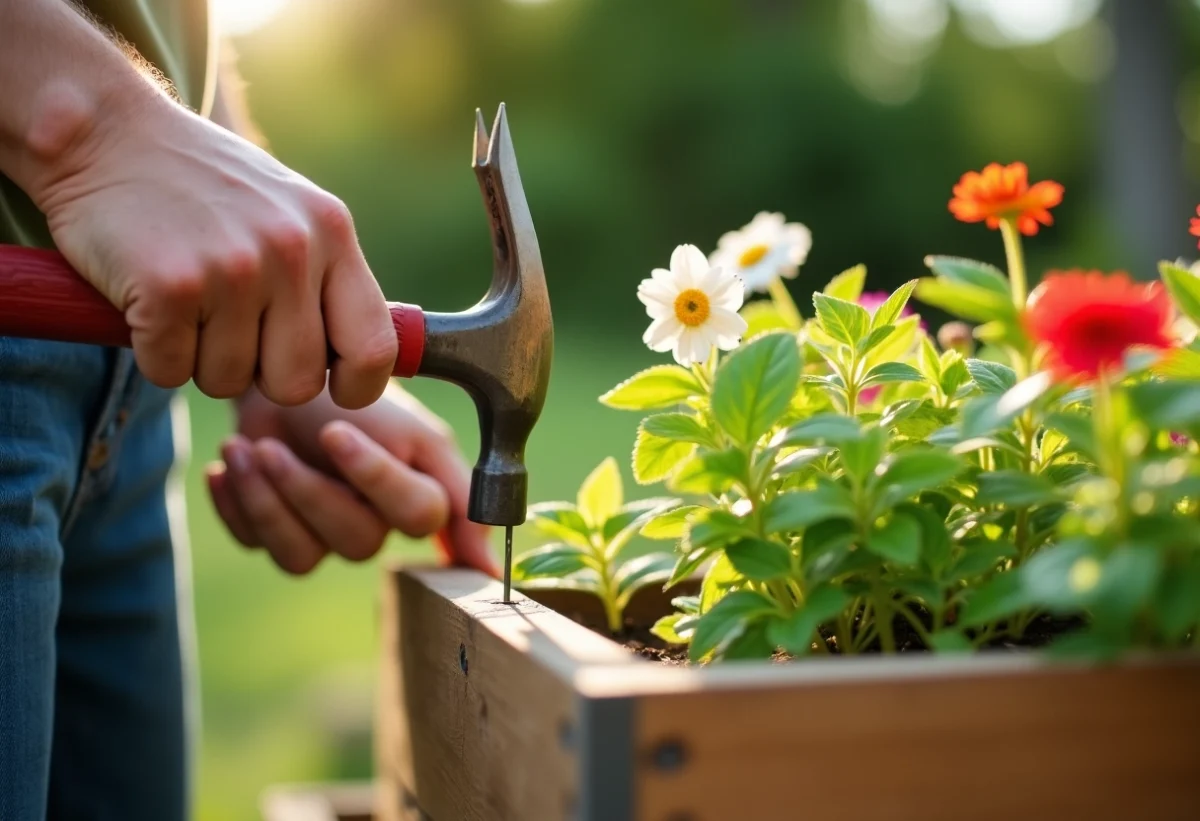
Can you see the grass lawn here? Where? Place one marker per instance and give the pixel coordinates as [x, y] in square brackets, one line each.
[288, 665]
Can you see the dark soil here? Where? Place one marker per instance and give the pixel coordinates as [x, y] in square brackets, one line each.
[638, 639]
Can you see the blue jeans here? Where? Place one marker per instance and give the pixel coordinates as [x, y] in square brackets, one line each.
[93, 715]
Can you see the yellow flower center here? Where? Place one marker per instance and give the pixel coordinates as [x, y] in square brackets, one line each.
[1084, 575]
[752, 255]
[691, 307]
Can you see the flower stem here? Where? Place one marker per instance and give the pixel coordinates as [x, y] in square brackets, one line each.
[1016, 262]
[785, 304]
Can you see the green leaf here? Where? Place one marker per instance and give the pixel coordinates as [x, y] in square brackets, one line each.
[678, 427]
[991, 377]
[965, 301]
[935, 540]
[1178, 603]
[920, 420]
[670, 525]
[1063, 578]
[891, 372]
[652, 568]
[727, 620]
[659, 387]
[998, 598]
[954, 373]
[907, 474]
[686, 604]
[687, 564]
[754, 386]
[717, 528]
[1015, 488]
[875, 338]
[655, 458]
[762, 317]
[824, 427]
[561, 520]
[1179, 363]
[798, 460]
[759, 559]
[847, 322]
[1079, 431]
[985, 414]
[899, 540]
[637, 512]
[711, 472]
[549, 560]
[848, 285]
[751, 644]
[1184, 287]
[1167, 405]
[889, 311]
[796, 632]
[1127, 583]
[718, 580]
[981, 557]
[950, 641]
[860, 457]
[899, 342]
[800, 508]
[970, 272]
[601, 495]
[676, 628]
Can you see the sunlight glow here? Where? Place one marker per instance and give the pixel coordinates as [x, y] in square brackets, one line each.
[244, 16]
[1025, 22]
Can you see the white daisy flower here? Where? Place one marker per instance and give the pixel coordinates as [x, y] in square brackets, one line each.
[764, 250]
[694, 306]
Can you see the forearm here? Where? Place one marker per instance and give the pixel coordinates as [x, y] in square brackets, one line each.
[63, 78]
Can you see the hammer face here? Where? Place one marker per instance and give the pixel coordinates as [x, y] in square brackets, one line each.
[500, 350]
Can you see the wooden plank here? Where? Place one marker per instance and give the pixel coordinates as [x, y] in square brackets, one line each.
[1032, 742]
[478, 713]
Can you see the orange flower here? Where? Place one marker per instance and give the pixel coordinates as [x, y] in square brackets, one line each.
[1003, 192]
[1195, 229]
[1088, 320]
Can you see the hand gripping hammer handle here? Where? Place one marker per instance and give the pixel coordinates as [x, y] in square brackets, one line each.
[42, 297]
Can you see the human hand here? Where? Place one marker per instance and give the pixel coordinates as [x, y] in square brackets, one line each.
[311, 480]
[230, 268]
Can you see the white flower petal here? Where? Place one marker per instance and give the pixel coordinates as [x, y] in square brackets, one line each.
[730, 293]
[758, 278]
[663, 333]
[799, 241]
[726, 323]
[692, 347]
[657, 291]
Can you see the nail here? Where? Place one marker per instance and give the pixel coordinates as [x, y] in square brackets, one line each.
[237, 457]
[342, 440]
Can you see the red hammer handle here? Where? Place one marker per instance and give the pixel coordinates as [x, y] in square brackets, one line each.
[42, 297]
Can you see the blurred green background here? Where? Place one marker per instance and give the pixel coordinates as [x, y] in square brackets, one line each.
[638, 126]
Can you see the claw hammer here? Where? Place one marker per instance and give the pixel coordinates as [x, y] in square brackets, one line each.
[498, 351]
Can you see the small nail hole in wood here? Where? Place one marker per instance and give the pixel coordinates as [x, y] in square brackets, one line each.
[462, 658]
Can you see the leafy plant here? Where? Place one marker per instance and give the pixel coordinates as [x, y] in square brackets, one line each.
[591, 540]
[846, 482]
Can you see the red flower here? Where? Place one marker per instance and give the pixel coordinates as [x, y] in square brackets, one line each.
[1088, 320]
[1195, 229]
[1003, 192]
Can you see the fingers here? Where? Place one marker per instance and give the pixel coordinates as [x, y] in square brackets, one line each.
[228, 343]
[412, 502]
[359, 326]
[340, 521]
[467, 542]
[292, 356]
[163, 315]
[264, 512]
[220, 487]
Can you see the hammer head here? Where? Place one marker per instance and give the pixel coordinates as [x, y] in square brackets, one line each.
[499, 351]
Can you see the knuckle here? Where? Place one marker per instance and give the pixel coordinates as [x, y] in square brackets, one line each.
[238, 265]
[376, 354]
[291, 241]
[360, 550]
[297, 389]
[177, 284]
[333, 216]
[224, 386]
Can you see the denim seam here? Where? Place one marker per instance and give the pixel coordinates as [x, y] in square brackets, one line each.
[121, 391]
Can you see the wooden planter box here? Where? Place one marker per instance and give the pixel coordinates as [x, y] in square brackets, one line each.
[493, 712]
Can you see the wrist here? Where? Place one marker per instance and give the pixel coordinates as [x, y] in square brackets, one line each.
[70, 124]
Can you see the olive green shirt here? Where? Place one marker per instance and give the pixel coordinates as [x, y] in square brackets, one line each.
[172, 35]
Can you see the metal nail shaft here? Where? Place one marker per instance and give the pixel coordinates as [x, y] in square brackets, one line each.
[508, 564]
